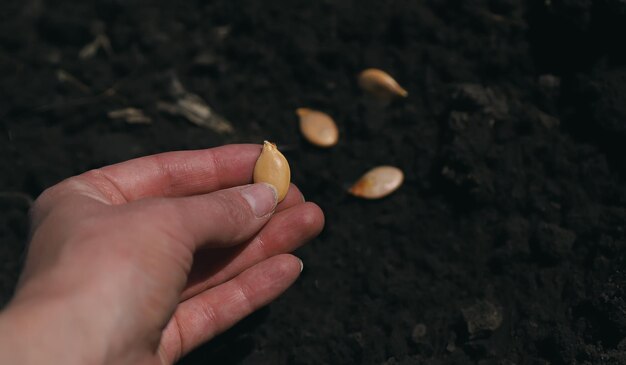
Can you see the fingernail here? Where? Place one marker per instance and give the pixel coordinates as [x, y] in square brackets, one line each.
[301, 265]
[261, 197]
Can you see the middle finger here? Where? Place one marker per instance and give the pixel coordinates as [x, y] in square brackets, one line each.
[286, 231]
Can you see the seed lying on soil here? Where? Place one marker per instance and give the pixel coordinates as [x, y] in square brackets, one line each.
[378, 182]
[272, 168]
[379, 83]
[318, 127]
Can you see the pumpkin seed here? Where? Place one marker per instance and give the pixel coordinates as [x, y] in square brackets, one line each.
[378, 182]
[272, 168]
[318, 127]
[380, 84]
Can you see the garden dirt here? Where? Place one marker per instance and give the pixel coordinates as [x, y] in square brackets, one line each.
[505, 245]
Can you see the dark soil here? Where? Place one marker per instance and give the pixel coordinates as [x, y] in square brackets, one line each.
[505, 245]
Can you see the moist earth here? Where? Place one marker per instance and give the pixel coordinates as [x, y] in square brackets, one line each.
[506, 243]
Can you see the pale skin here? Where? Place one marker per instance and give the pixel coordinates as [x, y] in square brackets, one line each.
[143, 261]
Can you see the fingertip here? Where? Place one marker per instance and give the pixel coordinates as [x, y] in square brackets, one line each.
[287, 265]
[294, 197]
[313, 216]
[221, 219]
[262, 198]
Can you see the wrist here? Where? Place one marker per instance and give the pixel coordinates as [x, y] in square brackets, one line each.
[46, 332]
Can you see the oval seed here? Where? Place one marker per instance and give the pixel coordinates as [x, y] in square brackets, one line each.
[378, 182]
[272, 168]
[318, 127]
[379, 83]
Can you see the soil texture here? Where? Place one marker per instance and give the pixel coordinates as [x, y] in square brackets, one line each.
[505, 245]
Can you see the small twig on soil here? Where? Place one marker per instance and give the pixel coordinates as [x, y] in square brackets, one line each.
[72, 103]
[90, 49]
[100, 41]
[65, 77]
[76, 102]
[130, 115]
[193, 108]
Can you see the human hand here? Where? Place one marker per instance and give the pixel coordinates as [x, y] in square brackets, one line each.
[142, 261]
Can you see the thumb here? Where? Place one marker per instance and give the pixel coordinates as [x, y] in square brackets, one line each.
[222, 218]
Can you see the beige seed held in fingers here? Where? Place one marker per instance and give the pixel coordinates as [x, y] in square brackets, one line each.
[378, 182]
[272, 168]
[379, 83]
[318, 127]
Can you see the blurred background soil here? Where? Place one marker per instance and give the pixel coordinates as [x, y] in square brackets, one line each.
[506, 243]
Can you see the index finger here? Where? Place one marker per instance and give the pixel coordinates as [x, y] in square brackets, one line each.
[183, 173]
[179, 173]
